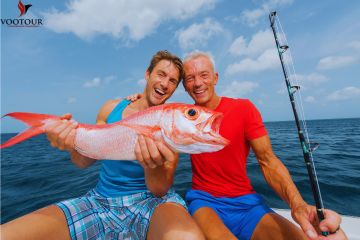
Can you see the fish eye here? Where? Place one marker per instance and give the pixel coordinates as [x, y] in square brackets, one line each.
[192, 112]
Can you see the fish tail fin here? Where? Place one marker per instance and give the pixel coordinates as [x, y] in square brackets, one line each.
[33, 120]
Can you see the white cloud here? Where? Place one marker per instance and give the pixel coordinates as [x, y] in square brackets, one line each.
[122, 19]
[305, 81]
[262, 43]
[310, 99]
[259, 42]
[267, 60]
[344, 94]
[92, 83]
[354, 45]
[316, 78]
[233, 19]
[141, 82]
[332, 62]
[238, 46]
[110, 78]
[197, 34]
[312, 78]
[239, 89]
[281, 91]
[96, 82]
[71, 100]
[251, 17]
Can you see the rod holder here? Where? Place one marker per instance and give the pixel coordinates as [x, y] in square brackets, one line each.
[283, 48]
[313, 146]
[293, 89]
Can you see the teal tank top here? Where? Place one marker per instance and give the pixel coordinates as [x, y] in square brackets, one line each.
[119, 178]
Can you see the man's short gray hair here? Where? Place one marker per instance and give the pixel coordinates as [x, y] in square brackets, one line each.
[196, 54]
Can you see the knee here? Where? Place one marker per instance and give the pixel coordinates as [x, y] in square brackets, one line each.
[193, 234]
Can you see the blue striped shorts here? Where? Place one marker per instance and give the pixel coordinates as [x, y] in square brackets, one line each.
[126, 217]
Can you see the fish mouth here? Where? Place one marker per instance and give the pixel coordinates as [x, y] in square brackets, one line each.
[211, 128]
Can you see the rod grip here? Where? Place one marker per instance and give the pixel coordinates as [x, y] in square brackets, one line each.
[321, 217]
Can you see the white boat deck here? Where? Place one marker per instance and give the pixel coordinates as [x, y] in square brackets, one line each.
[350, 224]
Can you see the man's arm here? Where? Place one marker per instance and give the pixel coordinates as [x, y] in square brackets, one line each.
[61, 134]
[275, 173]
[279, 179]
[159, 163]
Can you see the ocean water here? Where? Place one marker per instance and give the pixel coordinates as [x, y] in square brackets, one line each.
[34, 175]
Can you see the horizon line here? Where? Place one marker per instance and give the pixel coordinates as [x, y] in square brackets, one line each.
[320, 119]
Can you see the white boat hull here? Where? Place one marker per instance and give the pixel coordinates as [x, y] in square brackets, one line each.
[349, 224]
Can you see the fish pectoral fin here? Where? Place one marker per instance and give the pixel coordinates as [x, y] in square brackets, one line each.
[147, 131]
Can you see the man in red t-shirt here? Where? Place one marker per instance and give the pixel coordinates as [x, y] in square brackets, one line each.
[222, 200]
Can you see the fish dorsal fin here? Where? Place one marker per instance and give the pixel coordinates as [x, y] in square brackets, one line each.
[142, 129]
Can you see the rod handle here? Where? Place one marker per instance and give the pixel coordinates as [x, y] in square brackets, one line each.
[321, 217]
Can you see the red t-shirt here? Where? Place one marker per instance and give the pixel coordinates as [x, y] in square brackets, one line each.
[223, 173]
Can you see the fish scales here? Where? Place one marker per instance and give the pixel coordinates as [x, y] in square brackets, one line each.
[116, 142]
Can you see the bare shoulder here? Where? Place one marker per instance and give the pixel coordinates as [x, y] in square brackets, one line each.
[105, 110]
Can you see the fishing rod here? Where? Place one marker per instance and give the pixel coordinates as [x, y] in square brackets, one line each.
[306, 146]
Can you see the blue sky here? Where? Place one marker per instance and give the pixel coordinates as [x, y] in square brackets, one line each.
[90, 51]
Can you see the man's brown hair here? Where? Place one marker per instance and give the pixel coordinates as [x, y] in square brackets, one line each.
[166, 55]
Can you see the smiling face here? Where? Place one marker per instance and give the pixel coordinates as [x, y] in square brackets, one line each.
[161, 82]
[200, 80]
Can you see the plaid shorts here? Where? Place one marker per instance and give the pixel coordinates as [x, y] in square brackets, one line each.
[126, 217]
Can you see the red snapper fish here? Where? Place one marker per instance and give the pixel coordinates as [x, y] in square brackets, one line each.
[185, 128]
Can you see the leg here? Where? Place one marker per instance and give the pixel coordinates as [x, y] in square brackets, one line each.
[171, 221]
[211, 224]
[274, 226]
[45, 223]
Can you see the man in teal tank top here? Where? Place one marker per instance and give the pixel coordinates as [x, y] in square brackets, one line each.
[133, 199]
